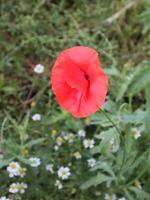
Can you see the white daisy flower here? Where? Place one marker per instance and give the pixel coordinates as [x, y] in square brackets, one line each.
[4, 198]
[58, 184]
[39, 68]
[81, 133]
[13, 168]
[112, 145]
[34, 161]
[98, 193]
[64, 173]
[77, 155]
[88, 143]
[108, 196]
[21, 187]
[13, 188]
[91, 162]
[59, 141]
[36, 117]
[71, 137]
[56, 147]
[122, 198]
[49, 168]
[136, 133]
[22, 171]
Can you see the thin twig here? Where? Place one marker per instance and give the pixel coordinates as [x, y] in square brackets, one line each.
[121, 12]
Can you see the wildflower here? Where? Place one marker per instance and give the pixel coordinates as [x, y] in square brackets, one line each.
[56, 147]
[110, 197]
[33, 104]
[49, 168]
[21, 187]
[39, 69]
[59, 141]
[88, 143]
[22, 171]
[78, 81]
[4, 198]
[71, 138]
[36, 117]
[122, 198]
[136, 133]
[13, 168]
[77, 155]
[58, 184]
[112, 146]
[25, 152]
[98, 193]
[34, 162]
[91, 162]
[64, 173]
[81, 133]
[54, 133]
[13, 188]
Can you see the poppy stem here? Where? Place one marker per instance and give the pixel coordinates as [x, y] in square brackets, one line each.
[107, 116]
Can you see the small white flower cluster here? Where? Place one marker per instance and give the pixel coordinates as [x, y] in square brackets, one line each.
[59, 140]
[122, 198]
[136, 133]
[112, 145]
[39, 68]
[17, 188]
[14, 169]
[91, 162]
[34, 161]
[108, 196]
[64, 173]
[58, 184]
[36, 117]
[69, 137]
[4, 198]
[49, 168]
[77, 155]
[81, 133]
[88, 143]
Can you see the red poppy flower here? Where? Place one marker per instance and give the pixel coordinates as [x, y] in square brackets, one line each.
[78, 81]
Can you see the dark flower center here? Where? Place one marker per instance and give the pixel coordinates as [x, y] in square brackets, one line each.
[86, 77]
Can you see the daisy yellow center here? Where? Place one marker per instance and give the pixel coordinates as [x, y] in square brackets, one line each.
[13, 165]
[64, 173]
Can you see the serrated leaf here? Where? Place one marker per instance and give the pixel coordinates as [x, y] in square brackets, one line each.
[96, 180]
[104, 166]
[140, 193]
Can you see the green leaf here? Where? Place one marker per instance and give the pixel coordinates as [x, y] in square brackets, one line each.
[141, 78]
[4, 163]
[96, 180]
[34, 142]
[140, 193]
[147, 116]
[105, 167]
[106, 138]
[137, 117]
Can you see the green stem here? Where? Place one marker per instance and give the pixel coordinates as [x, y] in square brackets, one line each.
[107, 116]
